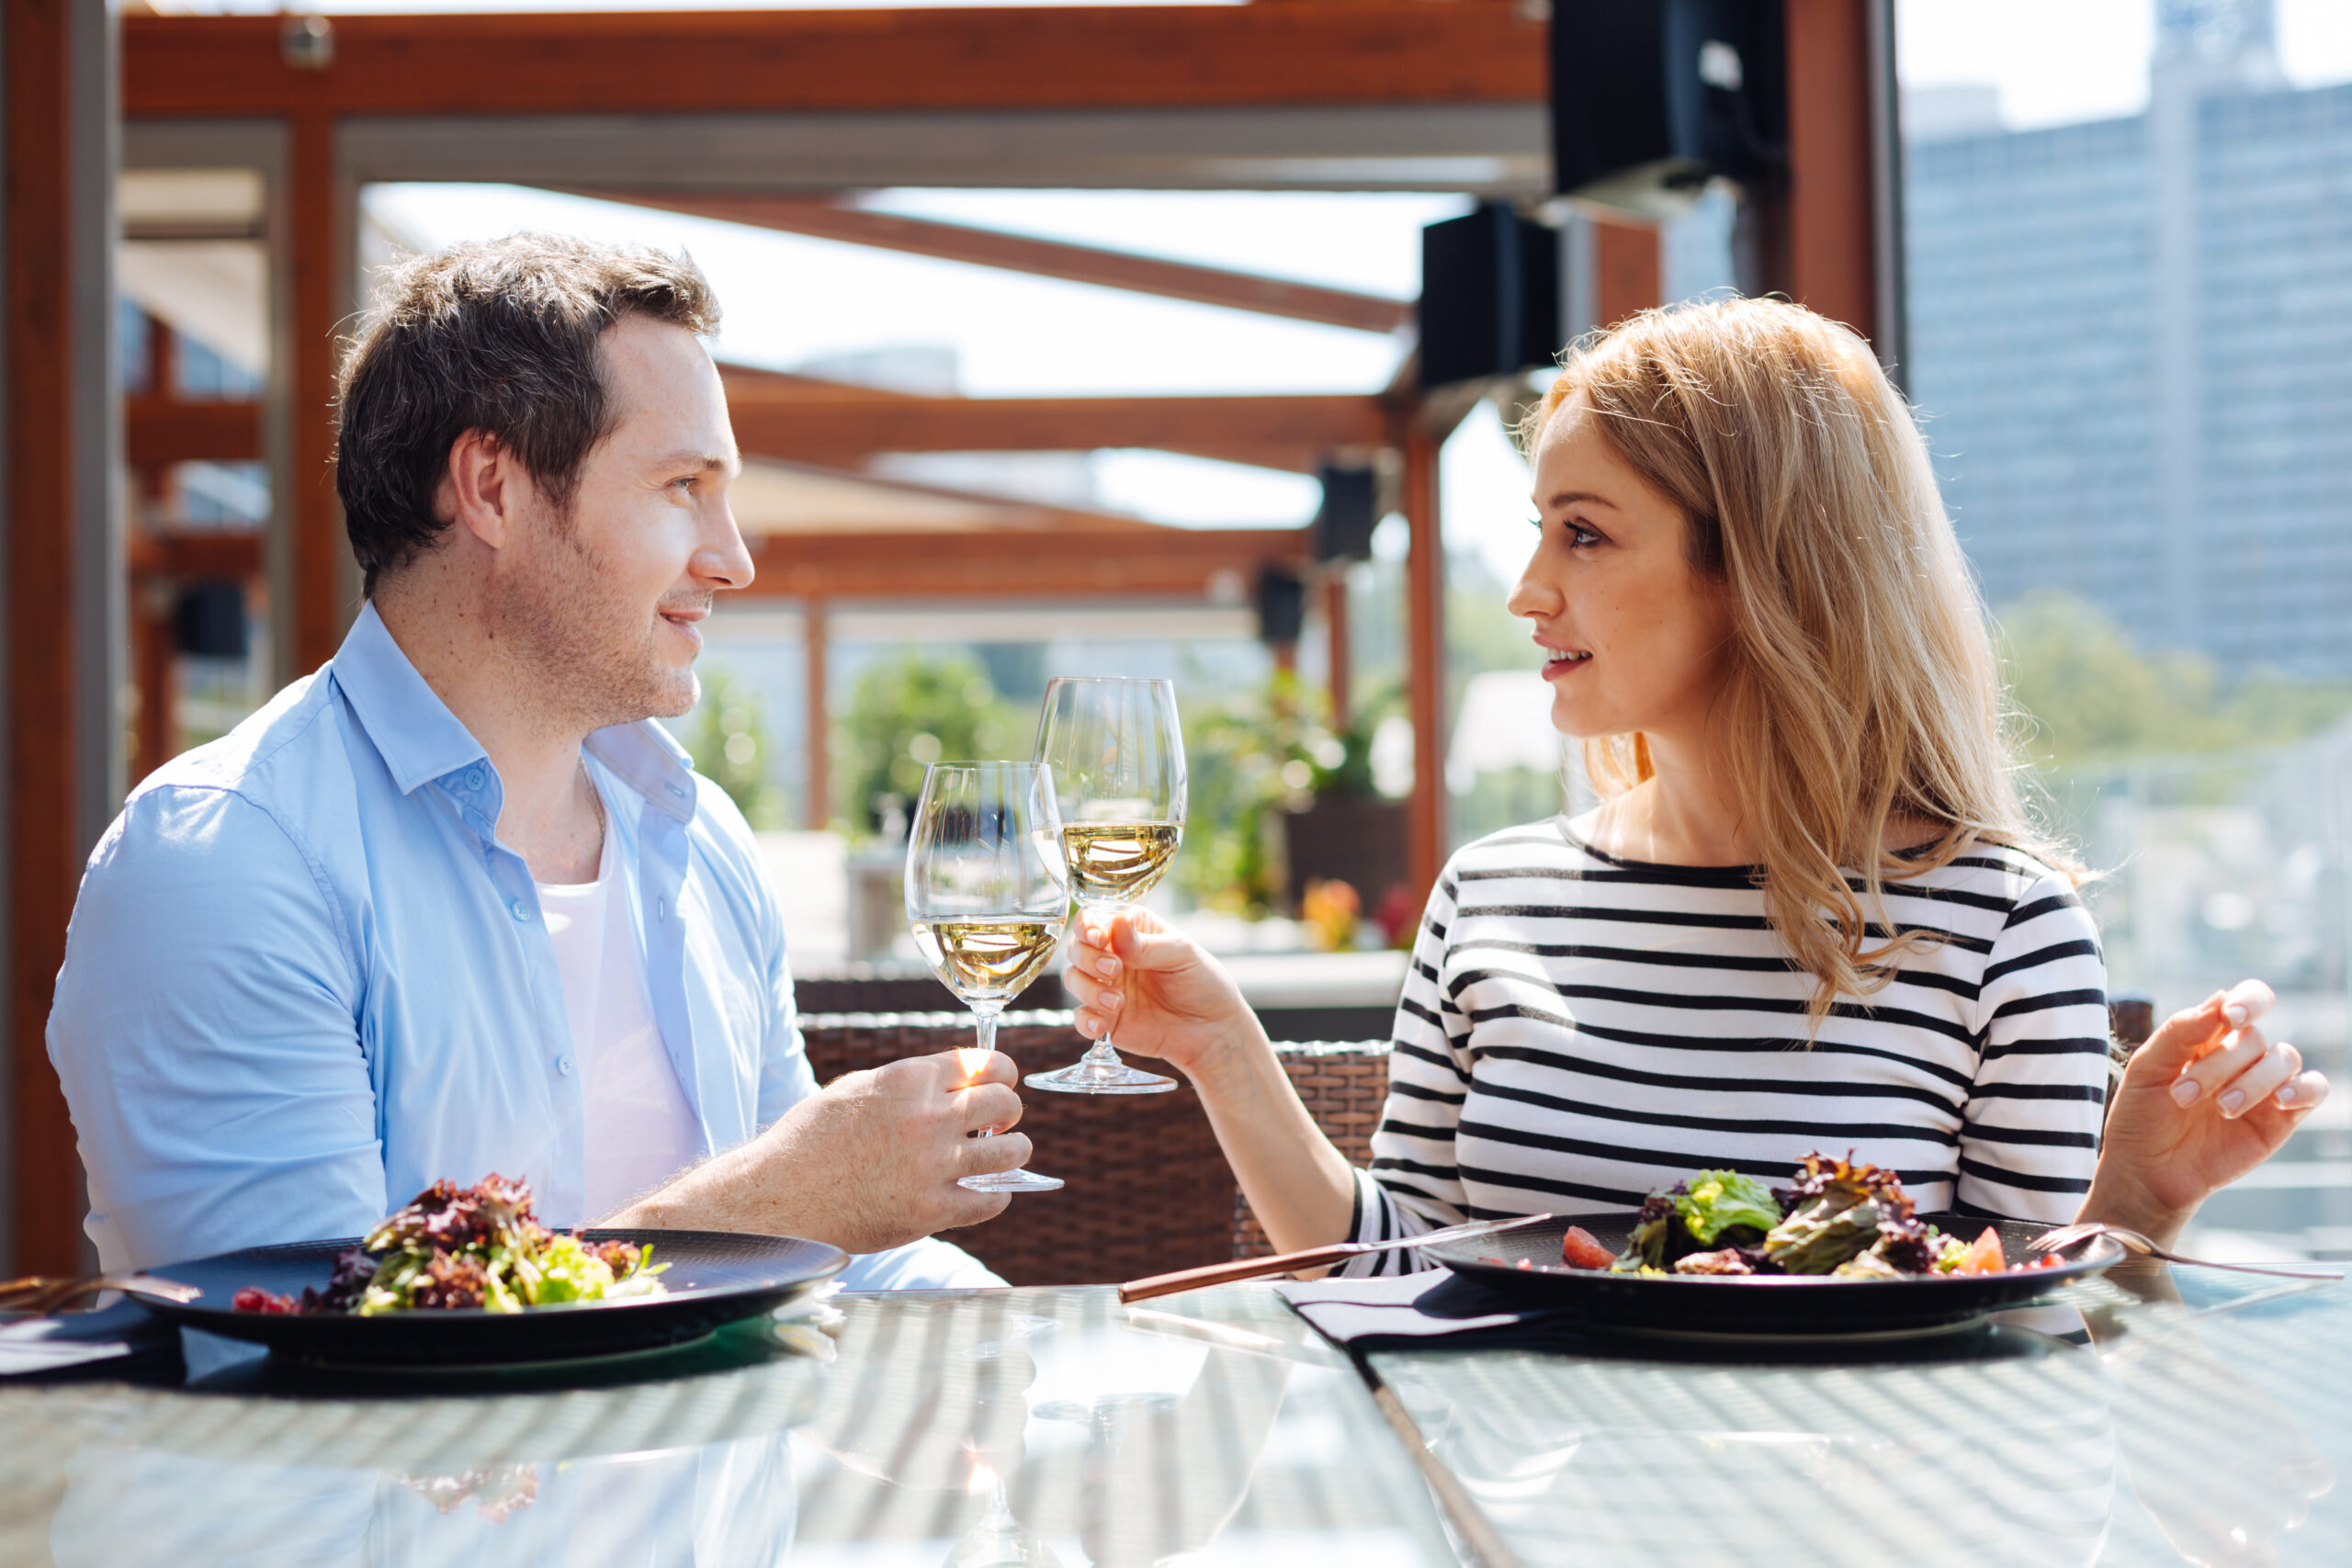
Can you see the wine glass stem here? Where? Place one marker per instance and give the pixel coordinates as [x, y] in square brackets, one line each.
[1100, 1055]
[984, 1037]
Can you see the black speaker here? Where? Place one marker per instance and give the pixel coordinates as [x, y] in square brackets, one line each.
[1490, 296]
[1351, 507]
[208, 621]
[1282, 606]
[1663, 94]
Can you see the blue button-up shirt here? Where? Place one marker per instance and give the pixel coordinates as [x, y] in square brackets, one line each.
[305, 980]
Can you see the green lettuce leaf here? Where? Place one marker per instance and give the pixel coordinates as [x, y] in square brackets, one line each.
[1719, 1200]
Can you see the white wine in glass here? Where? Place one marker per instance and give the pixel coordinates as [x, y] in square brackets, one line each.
[987, 896]
[1117, 756]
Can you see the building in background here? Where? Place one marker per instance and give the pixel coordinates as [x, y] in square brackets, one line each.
[2133, 343]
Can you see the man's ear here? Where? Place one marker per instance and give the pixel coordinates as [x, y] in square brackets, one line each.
[481, 487]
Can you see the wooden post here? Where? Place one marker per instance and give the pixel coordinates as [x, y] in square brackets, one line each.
[819, 789]
[323, 603]
[1425, 662]
[154, 664]
[1831, 230]
[1627, 268]
[1340, 654]
[63, 562]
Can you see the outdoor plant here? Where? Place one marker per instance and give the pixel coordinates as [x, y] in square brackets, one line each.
[1274, 748]
[905, 712]
[731, 745]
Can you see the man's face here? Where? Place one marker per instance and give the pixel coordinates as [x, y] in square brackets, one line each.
[609, 601]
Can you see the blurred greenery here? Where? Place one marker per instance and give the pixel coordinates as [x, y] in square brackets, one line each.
[2093, 697]
[730, 744]
[907, 712]
[1249, 756]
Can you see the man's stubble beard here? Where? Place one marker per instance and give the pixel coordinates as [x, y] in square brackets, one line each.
[572, 632]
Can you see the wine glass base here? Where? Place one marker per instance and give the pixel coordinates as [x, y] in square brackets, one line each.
[1011, 1181]
[1084, 1078]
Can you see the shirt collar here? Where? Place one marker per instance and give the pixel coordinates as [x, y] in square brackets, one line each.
[420, 740]
[418, 737]
[647, 759]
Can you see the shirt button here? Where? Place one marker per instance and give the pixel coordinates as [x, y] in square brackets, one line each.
[679, 790]
[522, 910]
[475, 778]
[662, 909]
[563, 1065]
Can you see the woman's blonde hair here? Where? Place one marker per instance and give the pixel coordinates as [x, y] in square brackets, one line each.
[1862, 684]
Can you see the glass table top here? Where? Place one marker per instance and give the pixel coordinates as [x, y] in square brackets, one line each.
[1022, 1427]
[2201, 1417]
[2150, 1418]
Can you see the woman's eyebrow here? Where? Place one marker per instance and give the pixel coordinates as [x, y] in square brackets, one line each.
[1572, 497]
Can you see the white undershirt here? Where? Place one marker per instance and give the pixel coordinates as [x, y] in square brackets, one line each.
[641, 1129]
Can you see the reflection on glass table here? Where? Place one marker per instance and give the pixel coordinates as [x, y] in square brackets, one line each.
[1222, 1434]
[2139, 1428]
[265, 1467]
[1226, 1434]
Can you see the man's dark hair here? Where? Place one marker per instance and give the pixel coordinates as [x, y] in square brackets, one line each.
[499, 337]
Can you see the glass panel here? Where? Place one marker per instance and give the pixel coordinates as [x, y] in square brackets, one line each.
[2130, 281]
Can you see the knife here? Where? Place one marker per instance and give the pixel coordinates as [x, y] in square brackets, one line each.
[1313, 1257]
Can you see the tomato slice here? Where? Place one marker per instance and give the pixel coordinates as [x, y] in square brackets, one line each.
[1580, 1251]
[1983, 1255]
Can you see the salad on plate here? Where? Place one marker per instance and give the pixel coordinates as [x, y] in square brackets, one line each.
[1839, 1218]
[478, 1248]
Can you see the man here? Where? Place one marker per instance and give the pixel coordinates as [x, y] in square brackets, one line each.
[454, 904]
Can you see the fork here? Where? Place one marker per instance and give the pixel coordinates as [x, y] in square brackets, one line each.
[2133, 1241]
[1314, 1257]
[40, 1294]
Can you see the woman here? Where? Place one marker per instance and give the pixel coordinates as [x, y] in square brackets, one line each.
[1811, 911]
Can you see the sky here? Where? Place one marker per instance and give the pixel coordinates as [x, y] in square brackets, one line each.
[2060, 61]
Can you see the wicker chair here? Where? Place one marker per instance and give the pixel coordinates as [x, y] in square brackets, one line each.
[1149, 1190]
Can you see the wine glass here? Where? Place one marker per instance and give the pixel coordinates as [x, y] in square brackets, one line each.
[1117, 757]
[988, 895]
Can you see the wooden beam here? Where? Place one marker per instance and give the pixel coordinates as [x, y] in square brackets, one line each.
[315, 249]
[1043, 258]
[163, 430]
[1831, 234]
[1178, 563]
[1302, 53]
[212, 553]
[1276, 431]
[1424, 661]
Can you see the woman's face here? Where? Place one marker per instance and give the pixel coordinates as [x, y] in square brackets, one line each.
[1634, 639]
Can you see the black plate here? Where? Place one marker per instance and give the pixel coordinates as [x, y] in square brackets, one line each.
[1776, 1304]
[715, 1278]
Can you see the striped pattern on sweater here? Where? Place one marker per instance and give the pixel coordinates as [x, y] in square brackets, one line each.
[1577, 1029]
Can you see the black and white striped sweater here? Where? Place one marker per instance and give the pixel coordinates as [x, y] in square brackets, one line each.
[1577, 1029]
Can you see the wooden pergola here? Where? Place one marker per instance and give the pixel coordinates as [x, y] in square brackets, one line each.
[773, 120]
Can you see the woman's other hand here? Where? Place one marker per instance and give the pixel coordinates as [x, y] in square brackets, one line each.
[2204, 1100]
[1162, 995]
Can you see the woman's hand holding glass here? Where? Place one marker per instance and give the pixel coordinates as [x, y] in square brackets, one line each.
[1166, 996]
[2205, 1099]
[1118, 754]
